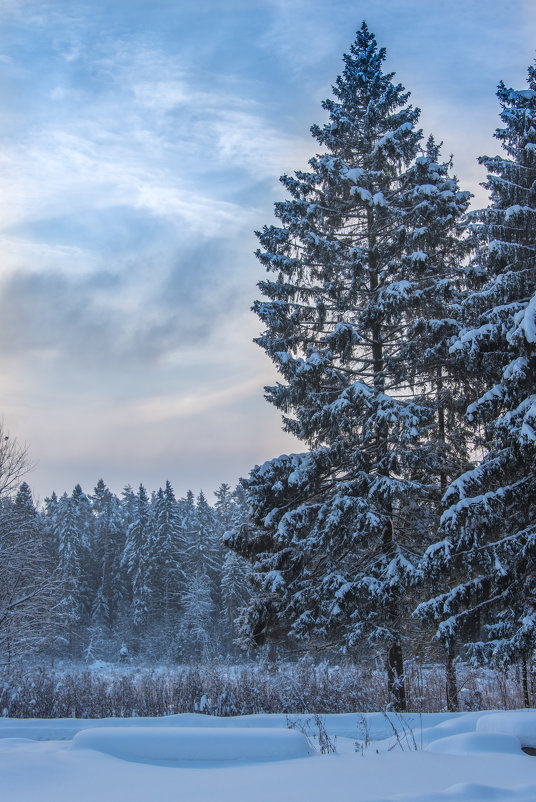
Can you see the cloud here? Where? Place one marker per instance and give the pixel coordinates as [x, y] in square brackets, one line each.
[136, 312]
[170, 407]
[127, 211]
[61, 172]
[298, 32]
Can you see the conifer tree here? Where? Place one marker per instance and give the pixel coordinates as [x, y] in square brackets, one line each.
[195, 637]
[128, 506]
[84, 513]
[202, 562]
[68, 536]
[88, 554]
[50, 524]
[335, 533]
[203, 552]
[235, 593]
[23, 505]
[433, 318]
[137, 558]
[188, 518]
[205, 549]
[224, 506]
[487, 556]
[232, 512]
[109, 544]
[167, 567]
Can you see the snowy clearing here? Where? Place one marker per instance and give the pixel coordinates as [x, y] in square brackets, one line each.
[461, 757]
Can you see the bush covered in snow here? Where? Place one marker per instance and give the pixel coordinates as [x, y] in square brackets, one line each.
[224, 690]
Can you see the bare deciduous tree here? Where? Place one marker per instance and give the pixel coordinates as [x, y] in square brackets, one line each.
[14, 462]
[28, 588]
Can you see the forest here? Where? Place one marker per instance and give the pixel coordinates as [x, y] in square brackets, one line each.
[97, 577]
[403, 328]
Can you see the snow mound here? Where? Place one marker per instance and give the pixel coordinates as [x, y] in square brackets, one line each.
[471, 743]
[520, 724]
[472, 792]
[193, 744]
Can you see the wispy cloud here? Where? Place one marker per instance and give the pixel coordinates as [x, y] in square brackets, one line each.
[170, 407]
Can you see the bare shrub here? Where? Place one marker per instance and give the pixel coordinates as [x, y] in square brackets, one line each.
[223, 690]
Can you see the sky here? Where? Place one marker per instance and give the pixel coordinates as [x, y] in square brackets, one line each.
[141, 143]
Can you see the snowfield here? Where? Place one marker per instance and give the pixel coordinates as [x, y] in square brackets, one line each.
[463, 757]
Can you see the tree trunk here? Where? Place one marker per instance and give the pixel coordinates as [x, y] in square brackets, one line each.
[441, 428]
[395, 678]
[395, 659]
[452, 685]
[525, 680]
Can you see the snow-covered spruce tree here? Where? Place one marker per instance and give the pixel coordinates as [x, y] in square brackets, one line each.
[335, 531]
[137, 560]
[167, 564]
[50, 524]
[232, 513]
[69, 536]
[88, 551]
[109, 537]
[202, 567]
[488, 550]
[433, 321]
[423, 366]
[203, 546]
[196, 637]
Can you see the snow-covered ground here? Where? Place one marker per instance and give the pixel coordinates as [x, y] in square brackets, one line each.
[461, 757]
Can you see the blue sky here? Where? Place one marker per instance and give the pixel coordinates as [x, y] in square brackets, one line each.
[141, 145]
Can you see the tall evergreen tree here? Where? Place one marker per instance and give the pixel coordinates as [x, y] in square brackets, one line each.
[487, 556]
[138, 556]
[50, 524]
[109, 545]
[235, 570]
[433, 318]
[69, 537]
[200, 598]
[335, 538]
[128, 506]
[88, 554]
[204, 549]
[23, 504]
[84, 513]
[195, 637]
[167, 561]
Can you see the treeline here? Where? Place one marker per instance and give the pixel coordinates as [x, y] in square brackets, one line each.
[113, 578]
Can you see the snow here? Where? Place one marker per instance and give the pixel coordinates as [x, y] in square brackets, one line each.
[472, 743]
[194, 743]
[457, 757]
[354, 174]
[521, 725]
[528, 321]
[472, 791]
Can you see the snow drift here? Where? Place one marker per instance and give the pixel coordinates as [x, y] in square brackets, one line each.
[194, 743]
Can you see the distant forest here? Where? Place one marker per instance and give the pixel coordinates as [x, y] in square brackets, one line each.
[98, 577]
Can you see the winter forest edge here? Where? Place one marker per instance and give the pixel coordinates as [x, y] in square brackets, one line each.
[403, 328]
